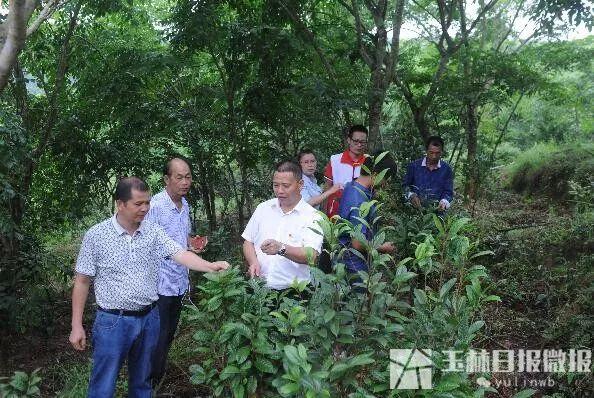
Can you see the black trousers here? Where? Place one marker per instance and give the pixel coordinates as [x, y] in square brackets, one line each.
[169, 310]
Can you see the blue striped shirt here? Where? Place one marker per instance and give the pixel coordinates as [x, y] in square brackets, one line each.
[173, 277]
[310, 189]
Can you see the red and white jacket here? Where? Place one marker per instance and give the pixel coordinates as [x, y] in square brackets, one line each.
[340, 170]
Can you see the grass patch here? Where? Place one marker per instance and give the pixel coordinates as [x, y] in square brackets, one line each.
[76, 380]
[546, 169]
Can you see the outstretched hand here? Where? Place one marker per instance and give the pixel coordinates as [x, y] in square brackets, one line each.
[387, 247]
[220, 265]
[416, 202]
[335, 188]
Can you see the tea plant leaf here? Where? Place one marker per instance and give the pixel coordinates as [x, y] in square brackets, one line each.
[228, 372]
[483, 253]
[524, 393]
[475, 327]
[264, 365]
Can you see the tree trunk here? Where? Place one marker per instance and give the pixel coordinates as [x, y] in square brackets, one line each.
[472, 171]
[376, 101]
[381, 56]
[18, 202]
[16, 33]
[205, 193]
[421, 123]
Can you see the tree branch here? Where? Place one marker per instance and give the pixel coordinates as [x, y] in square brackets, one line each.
[510, 28]
[48, 9]
[311, 39]
[16, 33]
[61, 71]
[359, 29]
[422, 7]
[441, 68]
[481, 14]
[504, 128]
[395, 43]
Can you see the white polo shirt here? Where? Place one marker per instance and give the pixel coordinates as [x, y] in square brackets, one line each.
[293, 229]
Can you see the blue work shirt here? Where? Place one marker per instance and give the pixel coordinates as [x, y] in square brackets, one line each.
[353, 196]
[173, 277]
[429, 185]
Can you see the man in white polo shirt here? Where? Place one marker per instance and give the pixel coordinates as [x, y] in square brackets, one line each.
[279, 235]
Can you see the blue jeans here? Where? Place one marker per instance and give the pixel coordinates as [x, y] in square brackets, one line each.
[115, 338]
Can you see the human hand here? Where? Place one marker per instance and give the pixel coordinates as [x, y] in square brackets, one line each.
[270, 247]
[254, 270]
[387, 247]
[198, 244]
[78, 338]
[416, 202]
[441, 206]
[220, 265]
[335, 188]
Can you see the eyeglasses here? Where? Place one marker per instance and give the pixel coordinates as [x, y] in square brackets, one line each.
[360, 142]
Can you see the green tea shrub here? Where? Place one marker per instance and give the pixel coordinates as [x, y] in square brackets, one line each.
[21, 385]
[331, 338]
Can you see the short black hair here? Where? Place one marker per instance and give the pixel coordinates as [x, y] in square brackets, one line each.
[435, 140]
[305, 151]
[125, 186]
[288, 166]
[386, 162]
[357, 127]
[167, 167]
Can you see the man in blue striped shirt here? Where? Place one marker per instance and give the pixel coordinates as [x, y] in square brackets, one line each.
[170, 210]
[430, 179]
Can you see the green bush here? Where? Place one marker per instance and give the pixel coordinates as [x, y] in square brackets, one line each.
[547, 169]
[332, 337]
[21, 385]
[33, 282]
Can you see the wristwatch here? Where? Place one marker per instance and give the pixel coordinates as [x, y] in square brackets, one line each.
[282, 251]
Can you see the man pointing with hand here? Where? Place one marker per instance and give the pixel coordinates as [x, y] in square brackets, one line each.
[121, 255]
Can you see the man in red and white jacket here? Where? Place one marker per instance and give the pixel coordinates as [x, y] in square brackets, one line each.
[346, 166]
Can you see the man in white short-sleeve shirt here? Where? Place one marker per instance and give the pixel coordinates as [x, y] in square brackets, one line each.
[279, 240]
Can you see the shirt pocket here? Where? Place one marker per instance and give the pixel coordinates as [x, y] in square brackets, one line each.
[296, 237]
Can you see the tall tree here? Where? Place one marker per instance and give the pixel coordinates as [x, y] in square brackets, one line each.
[18, 27]
[37, 127]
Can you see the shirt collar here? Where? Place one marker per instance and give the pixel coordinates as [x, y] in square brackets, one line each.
[298, 207]
[346, 158]
[424, 162]
[120, 230]
[309, 179]
[172, 204]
